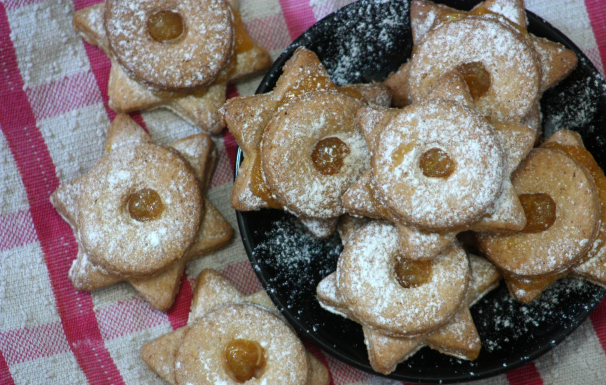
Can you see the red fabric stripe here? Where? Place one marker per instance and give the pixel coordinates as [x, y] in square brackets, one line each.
[596, 9]
[33, 342]
[56, 238]
[526, 375]
[178, 313]
[598, 320]
[313, 349]
[5, 374]
[63, 95]
[298, 15]
[16, 229]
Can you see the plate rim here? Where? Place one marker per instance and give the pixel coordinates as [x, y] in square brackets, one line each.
[275, 70]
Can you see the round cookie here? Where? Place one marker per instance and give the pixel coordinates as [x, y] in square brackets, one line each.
[477, 162]
[510, 61]
[200, 358]
[189, 61]
[312, 151]
[568, 232]
[113, 238]
[367, 283]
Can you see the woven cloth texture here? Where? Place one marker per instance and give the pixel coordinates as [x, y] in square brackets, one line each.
[53, 119]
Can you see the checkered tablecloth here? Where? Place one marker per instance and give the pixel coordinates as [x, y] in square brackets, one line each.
[53, 119]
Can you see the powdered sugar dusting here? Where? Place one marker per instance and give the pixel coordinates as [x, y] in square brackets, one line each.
[469, 142]
[193, 61]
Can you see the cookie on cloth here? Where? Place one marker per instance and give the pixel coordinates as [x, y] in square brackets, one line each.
[177, 55]
[438, 168]
[301, 143]
[563, 208]
[508, 66]
[139, 215]
[222, 321]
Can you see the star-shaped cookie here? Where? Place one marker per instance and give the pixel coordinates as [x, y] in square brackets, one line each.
[571, 243]
[209, 230]
[592, 265]
[197, 105]
[505, 214]
[458, 337]
[248, 117]
[555, 61]
[212, 291]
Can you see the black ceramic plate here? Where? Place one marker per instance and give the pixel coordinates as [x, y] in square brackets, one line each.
[365, 41]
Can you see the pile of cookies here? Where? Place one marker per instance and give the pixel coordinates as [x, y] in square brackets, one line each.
[231, 338]
[456, 155]
[400, 184]
[140, 214]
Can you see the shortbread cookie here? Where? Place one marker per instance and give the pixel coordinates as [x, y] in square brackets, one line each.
[174, 55]
[458, 337]
[374, 297]
[563, 210]
[138, 224]
[305, 100]
[431, 147]
[223, 320]
[592, 266]
[486, 43]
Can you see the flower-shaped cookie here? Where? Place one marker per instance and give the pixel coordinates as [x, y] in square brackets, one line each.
[217, 308]
[457, 337]
[177, 55]
[302, 145]
[438, 168]
[140, 215]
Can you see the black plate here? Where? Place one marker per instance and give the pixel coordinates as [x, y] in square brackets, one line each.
[365, 41]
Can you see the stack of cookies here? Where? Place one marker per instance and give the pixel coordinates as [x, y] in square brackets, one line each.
[455, 155]
[140, 214]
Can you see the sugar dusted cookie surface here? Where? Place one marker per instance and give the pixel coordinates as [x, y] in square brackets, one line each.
[302, 146]
[175, 55]
[221, 321]
[138, 222]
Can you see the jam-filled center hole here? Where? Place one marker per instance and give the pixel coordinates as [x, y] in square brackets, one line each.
[411, 274]
[165, 25]
[540, 210]
[476, 77]
[145, 205]
[328, 155]
[435, 163]
[244, 359]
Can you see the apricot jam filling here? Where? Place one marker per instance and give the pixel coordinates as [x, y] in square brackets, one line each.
[411, 274]
[260, 188]
[165, 26]
[243, 41]
[476, 77]
[244, 359]
[400, 153]
[328, 155]
[540, 210]
[145, 205]
[435, 163]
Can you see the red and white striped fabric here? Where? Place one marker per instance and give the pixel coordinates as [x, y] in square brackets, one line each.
[53, 117]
